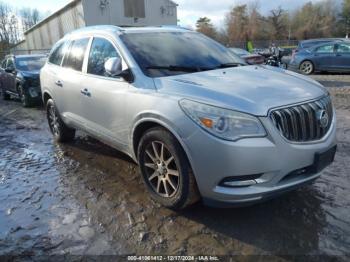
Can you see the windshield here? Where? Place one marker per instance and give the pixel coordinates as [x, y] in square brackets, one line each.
[172, 53]
[30, 63]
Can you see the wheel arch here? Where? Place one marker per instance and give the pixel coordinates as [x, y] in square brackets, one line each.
[148, 123]
[46, 96]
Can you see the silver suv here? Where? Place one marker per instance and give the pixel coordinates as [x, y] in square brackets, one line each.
[198, 120]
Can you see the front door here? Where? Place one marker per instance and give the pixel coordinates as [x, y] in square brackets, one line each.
[342, 59]
[104, 100]
[10, 77]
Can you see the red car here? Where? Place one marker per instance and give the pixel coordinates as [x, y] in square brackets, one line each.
[252, 59]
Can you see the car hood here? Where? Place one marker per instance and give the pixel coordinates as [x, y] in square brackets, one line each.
[31, 74]
[250, 89]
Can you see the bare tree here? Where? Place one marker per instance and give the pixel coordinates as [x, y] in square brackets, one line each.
[29, 17]
[278, 21]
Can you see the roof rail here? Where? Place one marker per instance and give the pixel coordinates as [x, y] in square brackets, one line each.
[176, 26]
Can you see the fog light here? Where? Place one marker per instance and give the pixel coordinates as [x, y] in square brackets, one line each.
[240, 181]
[33, 92]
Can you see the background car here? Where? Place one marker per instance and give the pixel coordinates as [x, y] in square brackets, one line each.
[329, 57]
[19, 78]
[252, 59]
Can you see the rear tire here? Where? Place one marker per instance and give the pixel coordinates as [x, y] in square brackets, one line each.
[307, 67]
[61, 132]
[166, 171]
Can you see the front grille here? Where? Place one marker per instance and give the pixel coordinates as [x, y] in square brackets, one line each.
[304, 122]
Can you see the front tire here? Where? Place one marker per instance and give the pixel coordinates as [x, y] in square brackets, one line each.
[307, 67]
[165, 170]
[4, 95]
[61, 132]
[25, 99]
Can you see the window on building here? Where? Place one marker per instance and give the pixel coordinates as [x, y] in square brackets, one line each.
[58, 53]
[101, 51]
[75, 57]
[134, 8]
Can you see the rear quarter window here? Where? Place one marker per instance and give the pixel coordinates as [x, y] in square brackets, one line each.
[58, 52]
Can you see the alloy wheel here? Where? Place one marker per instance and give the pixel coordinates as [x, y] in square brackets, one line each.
[307, 67]
[53, 121]
[162, 172]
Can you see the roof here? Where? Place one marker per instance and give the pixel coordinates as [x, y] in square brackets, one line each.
[65, 7]
[322, 39]
[111, 29]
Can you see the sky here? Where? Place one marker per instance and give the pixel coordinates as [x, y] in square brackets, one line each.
[188, 11]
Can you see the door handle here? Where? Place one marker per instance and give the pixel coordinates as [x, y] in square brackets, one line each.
[85, 92]
[59, 83]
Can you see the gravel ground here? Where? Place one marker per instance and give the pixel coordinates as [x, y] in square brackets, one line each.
[86, 198]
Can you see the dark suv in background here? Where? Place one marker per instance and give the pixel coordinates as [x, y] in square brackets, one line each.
[19, 78]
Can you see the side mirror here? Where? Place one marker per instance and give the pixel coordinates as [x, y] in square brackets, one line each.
[9, 69]
[113, 66]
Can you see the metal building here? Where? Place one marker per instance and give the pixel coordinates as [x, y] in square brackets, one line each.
[80, 13]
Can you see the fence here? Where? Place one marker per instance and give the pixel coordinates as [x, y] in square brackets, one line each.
[266, 43]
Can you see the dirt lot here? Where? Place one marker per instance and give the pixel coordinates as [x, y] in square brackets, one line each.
[85, 198]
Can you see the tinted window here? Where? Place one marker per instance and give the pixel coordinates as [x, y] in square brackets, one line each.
[343, 48]
[171, 53]
[325, 49]
[101, 51]
[75, 57]
[30, 63]
[58, 53]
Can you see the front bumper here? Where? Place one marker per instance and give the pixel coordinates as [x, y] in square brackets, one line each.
[272, 157]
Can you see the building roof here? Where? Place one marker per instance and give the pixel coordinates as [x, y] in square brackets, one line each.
[64, 8]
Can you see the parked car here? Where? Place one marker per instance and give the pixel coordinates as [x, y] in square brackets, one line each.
[19, 77]
[329, 57]
[251, 59]
[305, 44]
[198, 121]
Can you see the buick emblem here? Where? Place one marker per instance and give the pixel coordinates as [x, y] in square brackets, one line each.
[323, 118]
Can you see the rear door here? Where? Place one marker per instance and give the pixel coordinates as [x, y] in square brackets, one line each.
[342, 59]
[324, 57]
[71, 81]
[105, 100]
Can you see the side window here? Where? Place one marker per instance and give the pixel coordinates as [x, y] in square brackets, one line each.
[58, 53]
[101, 51]
[343, 48]
[10, 63]
[75, 58]
[325, 49]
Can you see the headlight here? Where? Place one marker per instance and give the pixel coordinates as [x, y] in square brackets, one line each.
[223, 123]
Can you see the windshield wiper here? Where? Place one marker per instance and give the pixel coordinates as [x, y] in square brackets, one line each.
[179, 68]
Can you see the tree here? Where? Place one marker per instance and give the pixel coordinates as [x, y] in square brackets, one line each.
[205, 26]
[237, 24]
[278, 21]
[29, 17]
[345, 17]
